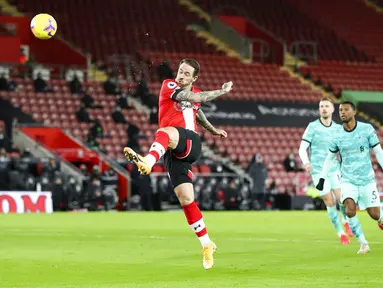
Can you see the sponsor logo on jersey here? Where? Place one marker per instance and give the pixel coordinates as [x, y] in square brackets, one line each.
[180, 106]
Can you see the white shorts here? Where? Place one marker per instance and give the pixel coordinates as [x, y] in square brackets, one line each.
[331, 182]
[365, 196]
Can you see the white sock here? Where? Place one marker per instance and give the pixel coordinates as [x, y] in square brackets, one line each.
[150, 159]
[205, 240]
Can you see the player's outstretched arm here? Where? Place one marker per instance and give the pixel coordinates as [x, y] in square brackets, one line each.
[303, 155]
[202, 120]
[200, 97]
[379, 154]
[325, 169]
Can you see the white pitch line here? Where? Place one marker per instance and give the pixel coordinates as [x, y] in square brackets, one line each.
[251, 239]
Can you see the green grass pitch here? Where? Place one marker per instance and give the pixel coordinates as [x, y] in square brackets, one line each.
[133, 249]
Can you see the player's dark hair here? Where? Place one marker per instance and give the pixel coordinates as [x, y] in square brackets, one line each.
[193, 63]
[349, 103]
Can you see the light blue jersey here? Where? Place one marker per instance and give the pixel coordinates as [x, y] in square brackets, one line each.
[319, 137]
[354, 148]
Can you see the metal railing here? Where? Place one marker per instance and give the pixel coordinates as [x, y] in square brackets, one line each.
[25, 70]
[304, 50]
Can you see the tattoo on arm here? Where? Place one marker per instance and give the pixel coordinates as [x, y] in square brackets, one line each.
[202, 120]
[182, 95]
[210, 95]
[206, 96]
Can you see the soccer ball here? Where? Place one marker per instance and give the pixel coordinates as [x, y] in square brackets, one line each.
[43, 26]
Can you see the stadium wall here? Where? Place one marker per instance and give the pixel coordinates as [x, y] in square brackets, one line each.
[370, 102]
[362, 96]
[10, 49]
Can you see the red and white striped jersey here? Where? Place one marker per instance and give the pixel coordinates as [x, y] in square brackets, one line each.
[173, 113]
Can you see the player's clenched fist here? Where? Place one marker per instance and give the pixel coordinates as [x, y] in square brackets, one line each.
[227, 86]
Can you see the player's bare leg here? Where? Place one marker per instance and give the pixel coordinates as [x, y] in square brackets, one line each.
[376, 214]
[337, 194]
[355, 225]
[165, 138]
[185, 194]
[329, 200]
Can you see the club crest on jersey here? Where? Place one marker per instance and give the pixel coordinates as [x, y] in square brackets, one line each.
[172, 85]
[180, 106]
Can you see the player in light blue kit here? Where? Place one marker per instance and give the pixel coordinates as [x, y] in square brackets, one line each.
[317, 138]
[354, 142]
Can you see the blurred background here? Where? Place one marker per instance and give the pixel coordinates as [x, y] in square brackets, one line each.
[70, 104]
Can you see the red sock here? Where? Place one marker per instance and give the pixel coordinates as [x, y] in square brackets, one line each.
[160, 145]
[195, 220]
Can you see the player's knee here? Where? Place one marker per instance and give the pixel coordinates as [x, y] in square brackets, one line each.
[184, 193]
[173, 136]
[350, 213]
[328, 200]
[185, 199]
[171, 131]
[374, 214]
[350, 207]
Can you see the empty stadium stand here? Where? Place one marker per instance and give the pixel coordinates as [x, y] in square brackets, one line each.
[122, 27]
[142, 29]
[283, 20]
[363, 32]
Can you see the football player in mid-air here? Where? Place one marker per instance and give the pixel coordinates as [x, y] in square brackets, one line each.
[177, 140]
[353, 142]
[317, 138]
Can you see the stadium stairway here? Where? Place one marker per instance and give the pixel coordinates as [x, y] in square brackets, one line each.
[292, 73]
[289, 66]
[372, 5]
[362, 34]
[192, 7]
[8, 9]
[219, 44]
[290, 60]
[319, 88]
[206, 35]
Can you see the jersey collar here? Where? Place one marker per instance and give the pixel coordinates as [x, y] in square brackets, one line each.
[356, 124]
[325, 125]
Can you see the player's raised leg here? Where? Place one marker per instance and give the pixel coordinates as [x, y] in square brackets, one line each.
[332, 212]
[165, 138]
[355, 225]
[185, 194]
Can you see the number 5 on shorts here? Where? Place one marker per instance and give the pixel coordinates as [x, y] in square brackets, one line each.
[375, 195]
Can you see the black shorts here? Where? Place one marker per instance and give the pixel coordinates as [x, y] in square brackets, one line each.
[179, 161]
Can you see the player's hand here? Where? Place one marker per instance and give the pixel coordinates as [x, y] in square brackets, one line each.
[226, 87]
[219, 132]
[308, 167]
[320, 184]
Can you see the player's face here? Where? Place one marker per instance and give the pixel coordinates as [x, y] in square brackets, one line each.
[346, 113]
[326, 108]
[185, 75]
